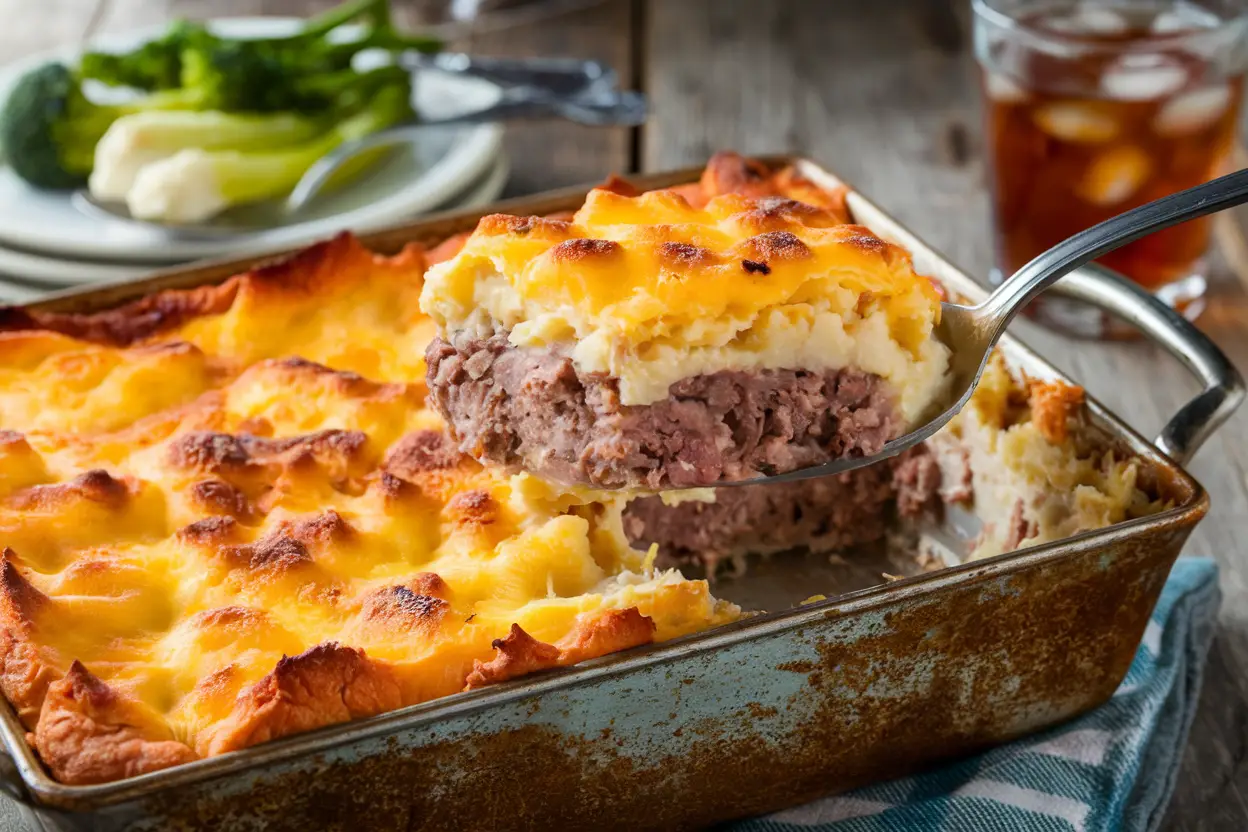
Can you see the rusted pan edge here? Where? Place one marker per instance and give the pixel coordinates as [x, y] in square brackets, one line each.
[790, 713]
[1097, 554]
[228, 772]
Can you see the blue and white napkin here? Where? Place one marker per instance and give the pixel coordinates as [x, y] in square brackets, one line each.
[1111, 769]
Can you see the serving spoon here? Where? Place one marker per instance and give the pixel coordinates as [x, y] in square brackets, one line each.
[971, 332]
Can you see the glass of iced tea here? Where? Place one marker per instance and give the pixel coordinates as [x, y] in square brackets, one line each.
[1096, 107]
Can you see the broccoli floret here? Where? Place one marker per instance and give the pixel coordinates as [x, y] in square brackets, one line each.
[156, 65]
[301, 73]
[236, 76]
[49, 129]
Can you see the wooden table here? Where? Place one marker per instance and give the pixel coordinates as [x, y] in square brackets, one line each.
[885, 95]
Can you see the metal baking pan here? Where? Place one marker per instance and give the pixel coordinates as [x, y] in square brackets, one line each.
[764, 713]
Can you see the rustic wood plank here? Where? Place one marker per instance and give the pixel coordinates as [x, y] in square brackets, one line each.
[553, 154]
[888, 100]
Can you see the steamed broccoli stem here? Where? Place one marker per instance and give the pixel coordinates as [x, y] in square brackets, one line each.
[87, 122]
[322, 24]
[136, 141]
[340, 54]
[235, 177]
[212, 129]
[347, 88]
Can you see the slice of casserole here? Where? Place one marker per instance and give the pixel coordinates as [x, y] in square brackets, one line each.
[651, 342]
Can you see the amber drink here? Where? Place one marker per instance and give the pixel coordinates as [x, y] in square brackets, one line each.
[1095, 108]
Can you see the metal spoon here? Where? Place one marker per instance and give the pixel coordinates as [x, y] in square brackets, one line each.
[972, 331]
[592, 107]
[560, 76]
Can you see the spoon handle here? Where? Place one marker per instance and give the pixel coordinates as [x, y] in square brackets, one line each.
[615, 108]
[1046, 269]
[561, 76]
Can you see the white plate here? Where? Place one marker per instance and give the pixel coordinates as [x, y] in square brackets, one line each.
[35, 271]
[12, 291]
[416, 178]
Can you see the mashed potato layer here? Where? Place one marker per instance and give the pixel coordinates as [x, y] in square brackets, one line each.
[650, 290]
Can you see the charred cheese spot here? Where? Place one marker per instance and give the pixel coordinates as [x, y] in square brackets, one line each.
[776, 245]
[420, 452]
[506, 224]
[277, 551]
[684, 255]
[779, 214]
[96, 485]
[211, 531]
[266, 469]
[403, 610]
[475, 507]
[219, 497]
[581, 250]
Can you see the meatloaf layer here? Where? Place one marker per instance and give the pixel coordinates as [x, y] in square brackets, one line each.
[823, 514]
[530, 409]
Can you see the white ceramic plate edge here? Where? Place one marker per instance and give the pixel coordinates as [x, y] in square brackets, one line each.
[25, 277]
[465, 162]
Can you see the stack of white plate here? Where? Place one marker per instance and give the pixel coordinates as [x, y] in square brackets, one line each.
[47, 244]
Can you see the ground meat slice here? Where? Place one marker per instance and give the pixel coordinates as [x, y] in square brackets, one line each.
[529, 409]
[823, 514]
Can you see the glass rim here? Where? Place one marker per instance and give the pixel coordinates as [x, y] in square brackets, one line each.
[1226, 27]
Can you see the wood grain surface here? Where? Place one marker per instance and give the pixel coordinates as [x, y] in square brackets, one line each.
[886, 97]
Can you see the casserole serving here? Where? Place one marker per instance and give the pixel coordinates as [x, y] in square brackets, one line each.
[659, 341]
[666, 711]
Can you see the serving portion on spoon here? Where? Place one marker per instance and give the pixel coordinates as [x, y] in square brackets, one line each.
[654, 344]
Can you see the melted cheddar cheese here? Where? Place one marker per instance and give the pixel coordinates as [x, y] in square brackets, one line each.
[227, 516]
[651, 289]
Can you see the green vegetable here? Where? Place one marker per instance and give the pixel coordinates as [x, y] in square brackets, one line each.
[49, 129]
[166, 132]
[168, 188]
[156, 65]
[259, 74]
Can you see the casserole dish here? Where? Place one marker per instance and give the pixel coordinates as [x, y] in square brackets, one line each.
[749, 717]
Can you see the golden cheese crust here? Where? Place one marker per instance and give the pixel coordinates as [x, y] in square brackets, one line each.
[733, 275]
[227, 516]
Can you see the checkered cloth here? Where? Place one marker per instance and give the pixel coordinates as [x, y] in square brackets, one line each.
[1110, 769]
